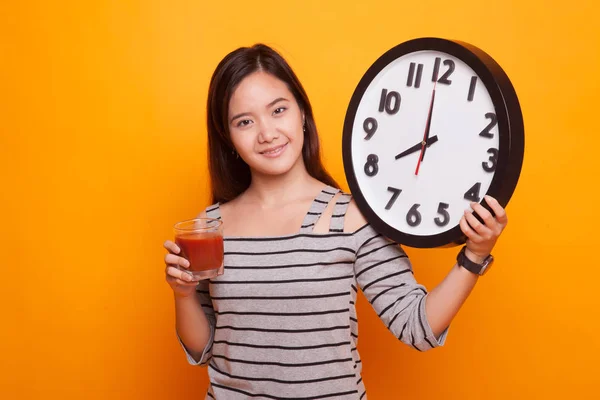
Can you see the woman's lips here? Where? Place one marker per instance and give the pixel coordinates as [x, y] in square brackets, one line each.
[275, 151]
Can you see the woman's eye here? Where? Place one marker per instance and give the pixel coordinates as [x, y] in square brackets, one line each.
[243, 122]
[279, 110]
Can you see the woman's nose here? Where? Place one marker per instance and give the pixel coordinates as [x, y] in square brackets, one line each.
[268, 131]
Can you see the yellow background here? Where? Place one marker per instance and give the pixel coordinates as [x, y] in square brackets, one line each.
[103, 148]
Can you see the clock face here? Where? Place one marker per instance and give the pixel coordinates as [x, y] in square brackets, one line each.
[422, 141]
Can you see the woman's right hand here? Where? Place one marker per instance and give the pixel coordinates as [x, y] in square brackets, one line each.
[181, 282]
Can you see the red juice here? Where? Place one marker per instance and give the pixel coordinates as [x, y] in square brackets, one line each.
[203, 250]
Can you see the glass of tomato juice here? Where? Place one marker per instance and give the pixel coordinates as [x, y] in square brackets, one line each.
[201, 243]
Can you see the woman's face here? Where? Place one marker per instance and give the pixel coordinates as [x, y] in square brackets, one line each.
[265, 123]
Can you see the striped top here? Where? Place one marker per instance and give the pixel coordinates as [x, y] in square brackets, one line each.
[283, 318]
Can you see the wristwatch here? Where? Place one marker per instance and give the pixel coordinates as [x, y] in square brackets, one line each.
[478, 269]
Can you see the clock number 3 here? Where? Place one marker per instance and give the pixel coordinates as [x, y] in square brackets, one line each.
[371, 167]
[490, 166]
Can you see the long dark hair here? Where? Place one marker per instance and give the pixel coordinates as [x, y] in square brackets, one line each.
[229, 174]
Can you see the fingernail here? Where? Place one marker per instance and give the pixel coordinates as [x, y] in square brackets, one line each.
[186, 263]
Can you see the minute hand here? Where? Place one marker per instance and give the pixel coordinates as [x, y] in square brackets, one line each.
[427, 128]
[417, 147]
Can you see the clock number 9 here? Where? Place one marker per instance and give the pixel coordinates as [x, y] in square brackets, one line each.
[371, 167]
[413, 218]
[370, 127]
[493, 160]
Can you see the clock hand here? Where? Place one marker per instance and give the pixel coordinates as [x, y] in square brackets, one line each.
[417, 147]
[427, 128]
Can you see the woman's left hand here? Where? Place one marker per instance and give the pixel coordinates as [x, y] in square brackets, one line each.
[482, 238]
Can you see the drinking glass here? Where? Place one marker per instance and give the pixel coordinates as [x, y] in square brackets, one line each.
[201, 243]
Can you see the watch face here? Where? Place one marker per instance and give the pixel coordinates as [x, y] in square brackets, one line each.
[422, 140]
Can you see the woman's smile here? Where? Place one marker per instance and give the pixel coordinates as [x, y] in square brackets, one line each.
[274, 152]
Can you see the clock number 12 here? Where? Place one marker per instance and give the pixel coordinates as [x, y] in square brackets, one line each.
[436, 70]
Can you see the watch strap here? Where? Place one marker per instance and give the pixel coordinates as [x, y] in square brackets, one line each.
[463, 261]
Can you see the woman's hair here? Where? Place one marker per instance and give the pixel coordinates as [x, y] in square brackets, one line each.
[229, 174]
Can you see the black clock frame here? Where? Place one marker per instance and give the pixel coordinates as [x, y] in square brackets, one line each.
[510, 128]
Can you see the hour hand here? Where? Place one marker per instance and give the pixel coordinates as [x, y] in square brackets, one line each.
[417, 147]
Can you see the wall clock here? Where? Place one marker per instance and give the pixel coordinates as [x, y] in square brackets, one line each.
[432, 125]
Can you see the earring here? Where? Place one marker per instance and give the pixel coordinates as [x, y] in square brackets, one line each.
[233, 152]
[304, 128]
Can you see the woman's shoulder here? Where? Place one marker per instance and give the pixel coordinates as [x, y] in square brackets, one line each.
[357, 223]
[354, 219]
[210, 211]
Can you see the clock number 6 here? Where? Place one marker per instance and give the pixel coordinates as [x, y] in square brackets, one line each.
[371, 167]
[413, 218]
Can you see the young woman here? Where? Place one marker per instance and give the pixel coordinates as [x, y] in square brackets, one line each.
[281, 321]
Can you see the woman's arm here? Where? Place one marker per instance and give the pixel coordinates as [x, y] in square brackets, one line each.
[444, 301]
[194, 314]
[193, 327]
